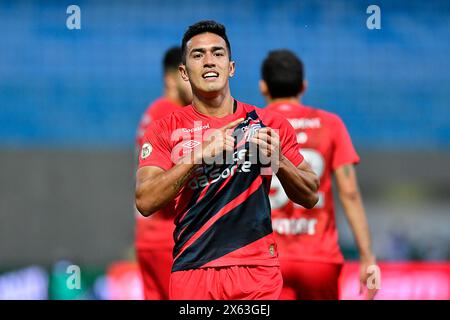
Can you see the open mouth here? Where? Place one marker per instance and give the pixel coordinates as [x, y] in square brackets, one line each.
[210, 75]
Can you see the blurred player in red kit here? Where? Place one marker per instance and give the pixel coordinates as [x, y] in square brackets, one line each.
[154, 235]
[310, 257]
[204, 157]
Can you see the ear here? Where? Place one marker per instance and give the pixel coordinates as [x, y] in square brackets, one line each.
[304, 87]
[232, 69]
[263, 88]
[183, 72]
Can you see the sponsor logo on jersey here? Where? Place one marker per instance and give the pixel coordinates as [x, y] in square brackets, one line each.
[199, 128]
[209, 174]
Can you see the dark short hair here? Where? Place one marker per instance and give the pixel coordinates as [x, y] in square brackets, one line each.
[283, 73]
[202, 27]
[172, 59]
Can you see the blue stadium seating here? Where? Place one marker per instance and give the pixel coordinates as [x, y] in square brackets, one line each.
[87, 88]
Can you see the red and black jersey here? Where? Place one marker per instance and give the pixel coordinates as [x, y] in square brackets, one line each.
[223, 210]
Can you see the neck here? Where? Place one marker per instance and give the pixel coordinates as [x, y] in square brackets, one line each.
[173, 96]
[285, 99]
[219, 106]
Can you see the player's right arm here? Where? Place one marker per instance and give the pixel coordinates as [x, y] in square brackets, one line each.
[156, 186]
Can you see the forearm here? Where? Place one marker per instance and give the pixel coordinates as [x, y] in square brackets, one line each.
[300, 185]
[155, 193]
[355, 213]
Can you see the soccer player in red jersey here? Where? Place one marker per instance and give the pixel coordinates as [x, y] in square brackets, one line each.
[153, 240]
[307, 239]
[204, 157]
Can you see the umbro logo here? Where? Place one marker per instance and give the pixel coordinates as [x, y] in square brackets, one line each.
[191, 144]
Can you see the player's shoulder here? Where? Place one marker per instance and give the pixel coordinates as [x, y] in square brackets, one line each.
[173, 119]
[329, 118]
[325, 114]
[285, 107]
[271, 118]
[180, 114]
[160, 125]
[263, 114]
[247, 107]
[326, 117]
[161, 107]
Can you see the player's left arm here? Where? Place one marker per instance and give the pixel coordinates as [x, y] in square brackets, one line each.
[344, 158]
[300, 183]
[354, 211]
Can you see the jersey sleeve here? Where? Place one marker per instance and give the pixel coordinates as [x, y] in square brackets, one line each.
[142, 127]
[344, 152]
[156, 149]
[288, 140]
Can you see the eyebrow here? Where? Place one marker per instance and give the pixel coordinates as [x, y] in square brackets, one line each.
[203, 50]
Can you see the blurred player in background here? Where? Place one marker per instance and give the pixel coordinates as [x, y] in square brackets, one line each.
[310, 257]
[154, 235]
[224, 247]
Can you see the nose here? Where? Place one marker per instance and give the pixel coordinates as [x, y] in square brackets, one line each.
[209, 60]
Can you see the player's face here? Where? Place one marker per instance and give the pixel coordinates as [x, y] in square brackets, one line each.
[208, 65]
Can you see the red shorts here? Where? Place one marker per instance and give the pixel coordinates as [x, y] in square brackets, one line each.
[155, 266]
[227, 283]
[310, 280]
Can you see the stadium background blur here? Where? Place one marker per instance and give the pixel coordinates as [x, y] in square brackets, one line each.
[70, 101]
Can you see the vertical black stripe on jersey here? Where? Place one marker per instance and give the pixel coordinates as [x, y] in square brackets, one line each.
[247, 223]
[238, 132]
[194, 197]
[187, 219]
[253, 115]
[213, 202]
